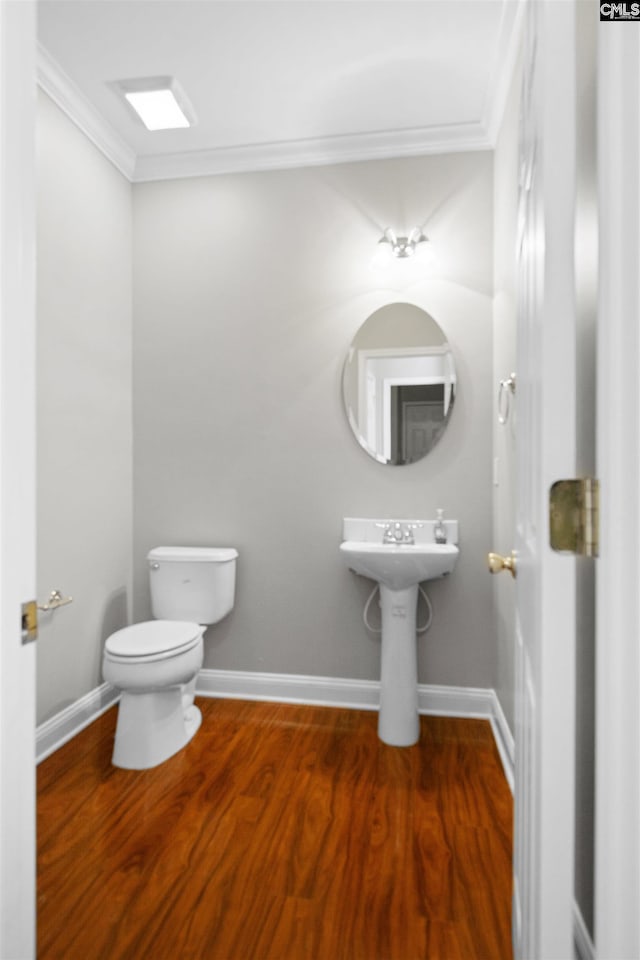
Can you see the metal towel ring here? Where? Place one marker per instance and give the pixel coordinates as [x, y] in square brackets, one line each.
[506, 390]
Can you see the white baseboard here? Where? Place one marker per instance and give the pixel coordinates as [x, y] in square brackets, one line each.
[361, 695]
[53, 733]
[504, 741]
[288, 688]
[293, 688]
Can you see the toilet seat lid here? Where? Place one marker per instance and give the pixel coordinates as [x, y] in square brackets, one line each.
[153, 637]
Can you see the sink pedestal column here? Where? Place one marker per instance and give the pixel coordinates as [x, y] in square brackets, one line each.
[398, 721]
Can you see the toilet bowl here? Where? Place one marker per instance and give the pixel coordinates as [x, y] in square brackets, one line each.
[155, 663]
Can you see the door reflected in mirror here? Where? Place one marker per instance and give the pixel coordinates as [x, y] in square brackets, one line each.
[399, 384]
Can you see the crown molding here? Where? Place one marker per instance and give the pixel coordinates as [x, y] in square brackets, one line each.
[63, 91]
[321, 151]
[384, 145]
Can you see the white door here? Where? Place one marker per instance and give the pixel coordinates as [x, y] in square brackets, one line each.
[545, 627]
[17, 473]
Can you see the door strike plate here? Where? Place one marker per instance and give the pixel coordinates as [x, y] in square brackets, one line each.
[574, 517]
[29, 621]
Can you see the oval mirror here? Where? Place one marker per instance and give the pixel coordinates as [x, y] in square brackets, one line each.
[399, 384]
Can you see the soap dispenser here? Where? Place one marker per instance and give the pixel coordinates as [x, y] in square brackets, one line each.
[439, 530]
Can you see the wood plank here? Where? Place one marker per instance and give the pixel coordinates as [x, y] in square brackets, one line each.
[280, 831]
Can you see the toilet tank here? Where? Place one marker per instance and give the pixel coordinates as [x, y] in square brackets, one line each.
[192, 583]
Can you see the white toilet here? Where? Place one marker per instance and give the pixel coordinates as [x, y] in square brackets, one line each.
[155, 663]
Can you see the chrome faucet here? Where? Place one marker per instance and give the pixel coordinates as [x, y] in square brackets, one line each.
[397, 532]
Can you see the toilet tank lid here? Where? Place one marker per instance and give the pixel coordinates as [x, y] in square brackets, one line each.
[193, 554]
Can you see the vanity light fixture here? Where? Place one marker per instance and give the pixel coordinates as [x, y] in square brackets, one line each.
[391, 246]
[159, 102]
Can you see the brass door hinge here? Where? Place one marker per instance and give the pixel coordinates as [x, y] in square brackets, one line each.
[574, 525]
[29, 621]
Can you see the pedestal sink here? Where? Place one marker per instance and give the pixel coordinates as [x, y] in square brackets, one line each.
[399, 567]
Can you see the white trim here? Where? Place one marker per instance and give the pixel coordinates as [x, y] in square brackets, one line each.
[56, 731]
[583, 944]
[617, 830]
[436, 700]
[504, 740]
[17, 477]
[64, 92]
[433, 699]
[323, 151]
[288, 688]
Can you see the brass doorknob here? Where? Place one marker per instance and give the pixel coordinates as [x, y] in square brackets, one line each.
[498, 563]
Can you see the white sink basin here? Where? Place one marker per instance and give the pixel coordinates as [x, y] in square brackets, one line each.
[398, 566]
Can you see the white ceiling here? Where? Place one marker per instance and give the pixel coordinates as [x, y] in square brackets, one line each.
[278, 83]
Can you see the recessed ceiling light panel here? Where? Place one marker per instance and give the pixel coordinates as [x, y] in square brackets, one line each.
[159, 102]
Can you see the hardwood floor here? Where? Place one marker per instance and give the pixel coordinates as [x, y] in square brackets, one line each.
[281, 832]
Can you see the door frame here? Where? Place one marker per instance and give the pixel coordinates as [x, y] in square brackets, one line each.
[617, 840]
[618, 660]
[17, 476]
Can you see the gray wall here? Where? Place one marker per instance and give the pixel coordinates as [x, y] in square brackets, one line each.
[247, 292]
[84, 405]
